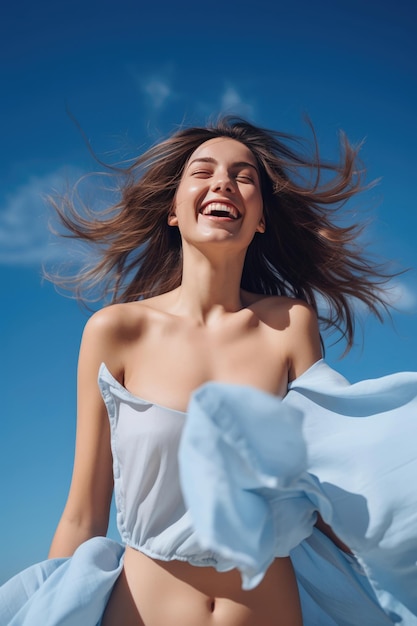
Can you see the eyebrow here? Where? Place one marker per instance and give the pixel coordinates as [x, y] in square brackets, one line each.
[211, 160]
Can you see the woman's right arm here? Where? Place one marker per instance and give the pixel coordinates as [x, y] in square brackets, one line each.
[86, 513]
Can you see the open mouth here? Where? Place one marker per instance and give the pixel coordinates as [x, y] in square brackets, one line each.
[220, 209]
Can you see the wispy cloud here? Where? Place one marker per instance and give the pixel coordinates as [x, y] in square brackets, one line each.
[396, 293]
[25, 238]
[402, 297]
[158, 91]
[231, 101]
[161, 87]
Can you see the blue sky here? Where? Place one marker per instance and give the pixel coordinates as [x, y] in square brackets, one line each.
[130, 74]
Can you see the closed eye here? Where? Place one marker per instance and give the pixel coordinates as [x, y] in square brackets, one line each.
[245, 178]
[201, 173]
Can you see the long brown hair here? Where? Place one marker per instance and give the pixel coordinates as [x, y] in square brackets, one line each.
[304, 252]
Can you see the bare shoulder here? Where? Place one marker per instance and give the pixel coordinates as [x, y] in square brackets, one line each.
[114, 319]
[297, 312]
[122, 320]
[109, 332]
[302, 314]
[299, 338]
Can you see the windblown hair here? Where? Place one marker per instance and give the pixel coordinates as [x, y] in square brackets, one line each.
[304, 253]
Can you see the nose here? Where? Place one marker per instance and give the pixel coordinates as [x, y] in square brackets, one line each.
[222, 182]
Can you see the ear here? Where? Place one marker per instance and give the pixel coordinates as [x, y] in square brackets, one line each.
[261, 226]
[172, 220]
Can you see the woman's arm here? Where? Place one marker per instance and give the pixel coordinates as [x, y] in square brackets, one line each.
[86, 512]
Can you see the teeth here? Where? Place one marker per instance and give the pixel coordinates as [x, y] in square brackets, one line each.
[220, 209]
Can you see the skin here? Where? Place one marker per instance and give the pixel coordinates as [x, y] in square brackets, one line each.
[162, 349]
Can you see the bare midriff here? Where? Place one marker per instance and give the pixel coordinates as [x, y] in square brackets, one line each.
[150, 592]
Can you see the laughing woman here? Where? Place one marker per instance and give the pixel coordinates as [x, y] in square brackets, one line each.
[247, 492]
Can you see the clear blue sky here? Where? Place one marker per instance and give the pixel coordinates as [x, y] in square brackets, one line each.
[131, 73]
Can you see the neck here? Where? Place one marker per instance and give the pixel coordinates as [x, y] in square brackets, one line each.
[209, 287]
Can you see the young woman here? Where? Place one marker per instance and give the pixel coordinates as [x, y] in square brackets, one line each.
[216, 256]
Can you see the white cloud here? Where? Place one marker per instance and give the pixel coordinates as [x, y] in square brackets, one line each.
[25, 238]
[232, 102]
[396, 293]
[230, 98]
[158, 90]
[401, 296]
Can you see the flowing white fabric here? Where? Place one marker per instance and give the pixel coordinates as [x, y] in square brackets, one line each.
[255, 469]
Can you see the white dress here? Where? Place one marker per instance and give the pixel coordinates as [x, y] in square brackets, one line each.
[238, 480]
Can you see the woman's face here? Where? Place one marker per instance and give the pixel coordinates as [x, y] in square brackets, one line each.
[219, 196]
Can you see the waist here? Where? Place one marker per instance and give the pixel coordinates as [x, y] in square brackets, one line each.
[173, 592]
